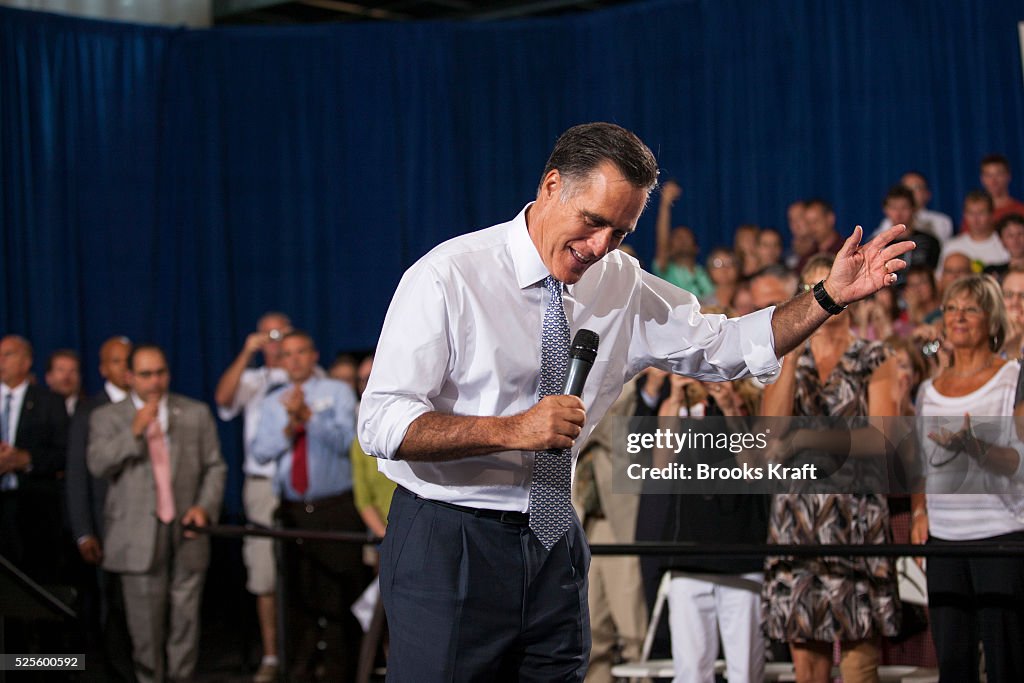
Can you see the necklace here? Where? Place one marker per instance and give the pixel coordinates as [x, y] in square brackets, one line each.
[972, 372]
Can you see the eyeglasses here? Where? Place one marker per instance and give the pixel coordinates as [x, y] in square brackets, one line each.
[973, 311]
[723, 263]
[146, 374]
[1010, 296]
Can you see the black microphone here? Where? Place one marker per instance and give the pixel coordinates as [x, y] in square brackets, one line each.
[581, 358]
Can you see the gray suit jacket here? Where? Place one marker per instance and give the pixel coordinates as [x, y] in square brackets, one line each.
[197, 477]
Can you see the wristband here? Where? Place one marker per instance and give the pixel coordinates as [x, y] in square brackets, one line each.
[825, 301]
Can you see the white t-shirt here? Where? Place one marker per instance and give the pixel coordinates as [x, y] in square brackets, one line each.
[989, 251]
[252, 387]
[981, 506]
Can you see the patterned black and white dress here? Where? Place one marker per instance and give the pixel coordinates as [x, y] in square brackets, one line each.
[831, 598]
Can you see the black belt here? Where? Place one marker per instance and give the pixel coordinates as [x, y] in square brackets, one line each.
[513, 517]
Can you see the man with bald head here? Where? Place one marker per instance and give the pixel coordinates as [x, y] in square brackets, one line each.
[954, 267]
[85, 493]
[33, 442]
[772, 285]
[85, 496]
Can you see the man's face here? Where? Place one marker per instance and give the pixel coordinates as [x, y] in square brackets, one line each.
[819, 222]
[1013, 239]
[795, 217]
[745, 241]
[15, 361]
[768, 290]
[917, 185]
[344, 372]
[1013, 294]
[918, 289]
[769, 247]
[978, 218]
[150, 377]
[595, 217]
[114, 363]
[64, 377]
[298, 358]
[365, 366]
[899, 211]
[276, 327]
[995, 178]
[682, 243]
[954, 267]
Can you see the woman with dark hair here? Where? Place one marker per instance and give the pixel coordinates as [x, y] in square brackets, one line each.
[812, 603]
[724, 270]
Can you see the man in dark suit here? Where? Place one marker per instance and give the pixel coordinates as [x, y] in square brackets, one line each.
[102, 607]
[33, 444]
[161, 456]
[64, 377]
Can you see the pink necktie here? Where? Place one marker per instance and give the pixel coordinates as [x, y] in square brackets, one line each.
[161, 472]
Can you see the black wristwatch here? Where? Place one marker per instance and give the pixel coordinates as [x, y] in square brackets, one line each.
[825, 301]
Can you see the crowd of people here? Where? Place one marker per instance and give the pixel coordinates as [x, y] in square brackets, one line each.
[943, 342]
[101, 492]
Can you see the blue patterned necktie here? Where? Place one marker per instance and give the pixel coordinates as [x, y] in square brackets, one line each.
[550, 507]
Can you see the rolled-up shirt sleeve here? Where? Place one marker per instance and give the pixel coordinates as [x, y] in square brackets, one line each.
[411, 363]
[671, 329]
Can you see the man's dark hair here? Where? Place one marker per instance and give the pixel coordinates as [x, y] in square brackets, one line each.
[995, 159]
[900, 192]
[344, 358]
[925, 270]
[63, 353]
[302, 334]
[980, 196]
[920, 175]
[581, 149]
[775, 270]
[1007, 219]
[144, 347]
[820, 203]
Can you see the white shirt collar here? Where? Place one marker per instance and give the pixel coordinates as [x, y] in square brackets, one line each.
[161, 412]
[116, 393]
[17, 393]
[529, 266]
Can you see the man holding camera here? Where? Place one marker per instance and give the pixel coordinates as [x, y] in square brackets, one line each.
[242, 388]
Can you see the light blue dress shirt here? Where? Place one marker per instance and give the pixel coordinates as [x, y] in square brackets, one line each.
[329, 434]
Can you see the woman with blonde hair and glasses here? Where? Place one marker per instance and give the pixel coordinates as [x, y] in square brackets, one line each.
[972, 462]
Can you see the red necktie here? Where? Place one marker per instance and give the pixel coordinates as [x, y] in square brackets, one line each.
[300, 467]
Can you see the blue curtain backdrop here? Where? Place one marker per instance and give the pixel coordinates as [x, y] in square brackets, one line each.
[173, 184]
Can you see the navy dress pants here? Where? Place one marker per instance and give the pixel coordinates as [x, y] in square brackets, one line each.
[474, 598]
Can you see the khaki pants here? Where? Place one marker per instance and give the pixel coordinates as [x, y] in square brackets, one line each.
[618, 609]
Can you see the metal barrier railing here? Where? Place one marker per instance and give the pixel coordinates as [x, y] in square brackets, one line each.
[705, 550]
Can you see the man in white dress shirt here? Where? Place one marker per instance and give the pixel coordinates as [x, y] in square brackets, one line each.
[242, 389]
[473, 586]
